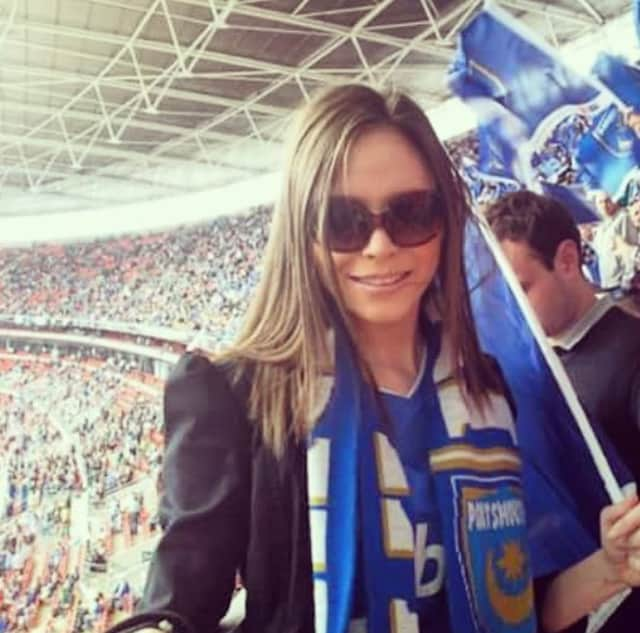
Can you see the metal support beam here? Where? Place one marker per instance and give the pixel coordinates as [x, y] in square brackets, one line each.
[467, 9]
[150, 45]
[67, 143]
[178, 95]
[141, 83]
[88, 117]
[313, 59]
[8, 24]
[588, 7]
[254, 127]
[106, 120]
[547, 9]
[135, 107]
[27, 170]
[320, 26]
[170, 72]
[94, 85]
[89, 146]
[396, 58]
[129, 46]
[298, 9]
[303, 90]
[101, 151]
[45, 172]
[149, 87]
[552, 31]
[203, 150]
[214, 10]
[432, 18]
[363, 59]
[434, 8]
[174, 37]
[320, 54]
[341, 12]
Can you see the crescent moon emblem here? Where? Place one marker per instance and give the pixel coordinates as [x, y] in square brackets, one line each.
[513, 609]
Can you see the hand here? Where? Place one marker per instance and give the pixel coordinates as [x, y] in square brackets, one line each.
[620, 536]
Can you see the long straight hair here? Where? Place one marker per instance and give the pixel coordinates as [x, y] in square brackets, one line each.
[283, 340]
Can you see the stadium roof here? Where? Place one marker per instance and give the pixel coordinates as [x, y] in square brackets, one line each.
[106, 102]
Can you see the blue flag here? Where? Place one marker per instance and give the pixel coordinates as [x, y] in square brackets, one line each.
[496, 58]
[608, 152]
[621, 77]
[574, 197]
[564, 491]
[486, 185]
[540, 122]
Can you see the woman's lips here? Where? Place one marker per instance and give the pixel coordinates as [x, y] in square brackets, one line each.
[386, 280]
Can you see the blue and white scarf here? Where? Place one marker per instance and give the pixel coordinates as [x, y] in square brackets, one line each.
[370, 481]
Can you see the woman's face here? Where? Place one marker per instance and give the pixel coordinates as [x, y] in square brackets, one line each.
[383, 283]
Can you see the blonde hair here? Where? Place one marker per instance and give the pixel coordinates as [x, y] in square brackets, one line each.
[283, 342]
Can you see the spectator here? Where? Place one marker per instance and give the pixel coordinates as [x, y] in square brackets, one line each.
[598, 343]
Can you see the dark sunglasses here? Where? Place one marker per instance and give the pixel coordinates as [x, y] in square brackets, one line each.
[411, 218]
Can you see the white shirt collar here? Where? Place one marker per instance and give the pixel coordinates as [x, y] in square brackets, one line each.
[416, 382]
[574, 334]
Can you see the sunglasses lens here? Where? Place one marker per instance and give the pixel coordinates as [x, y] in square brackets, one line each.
[413, 217]
[348, 225]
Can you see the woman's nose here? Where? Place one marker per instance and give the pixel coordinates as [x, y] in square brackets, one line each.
[379, 243]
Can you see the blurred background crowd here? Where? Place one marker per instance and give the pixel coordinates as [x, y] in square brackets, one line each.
[81, 433]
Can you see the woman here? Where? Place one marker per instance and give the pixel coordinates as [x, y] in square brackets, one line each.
[352, 454]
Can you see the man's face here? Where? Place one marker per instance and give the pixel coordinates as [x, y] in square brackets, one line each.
[634, 212]
[605, 205]
[546, 289]
[633, 121]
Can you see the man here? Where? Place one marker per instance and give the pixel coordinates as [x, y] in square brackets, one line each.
[604, 204]
[626, 244]
[611, 249]
[598, 342]
[631, 119]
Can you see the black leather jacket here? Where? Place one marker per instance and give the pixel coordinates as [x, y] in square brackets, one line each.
[228, 504]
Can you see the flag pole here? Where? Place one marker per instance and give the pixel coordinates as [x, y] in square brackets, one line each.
[557, 369]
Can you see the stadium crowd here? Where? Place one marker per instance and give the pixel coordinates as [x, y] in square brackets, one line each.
[173, 279]
[200, 277]
[70, 426]
[73, 424]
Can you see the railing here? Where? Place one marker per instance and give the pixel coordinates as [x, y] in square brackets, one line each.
[39, 336]
[103, 325]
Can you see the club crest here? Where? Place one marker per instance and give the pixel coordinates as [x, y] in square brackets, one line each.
[493, 547]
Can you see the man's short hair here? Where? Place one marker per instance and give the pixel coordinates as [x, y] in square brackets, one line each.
[539, 221]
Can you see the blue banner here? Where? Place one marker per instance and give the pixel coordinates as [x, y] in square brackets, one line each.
[563, 490]
[497, 59]
[620, 77]
[608, 151]
[574, 197]
[540, 122]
